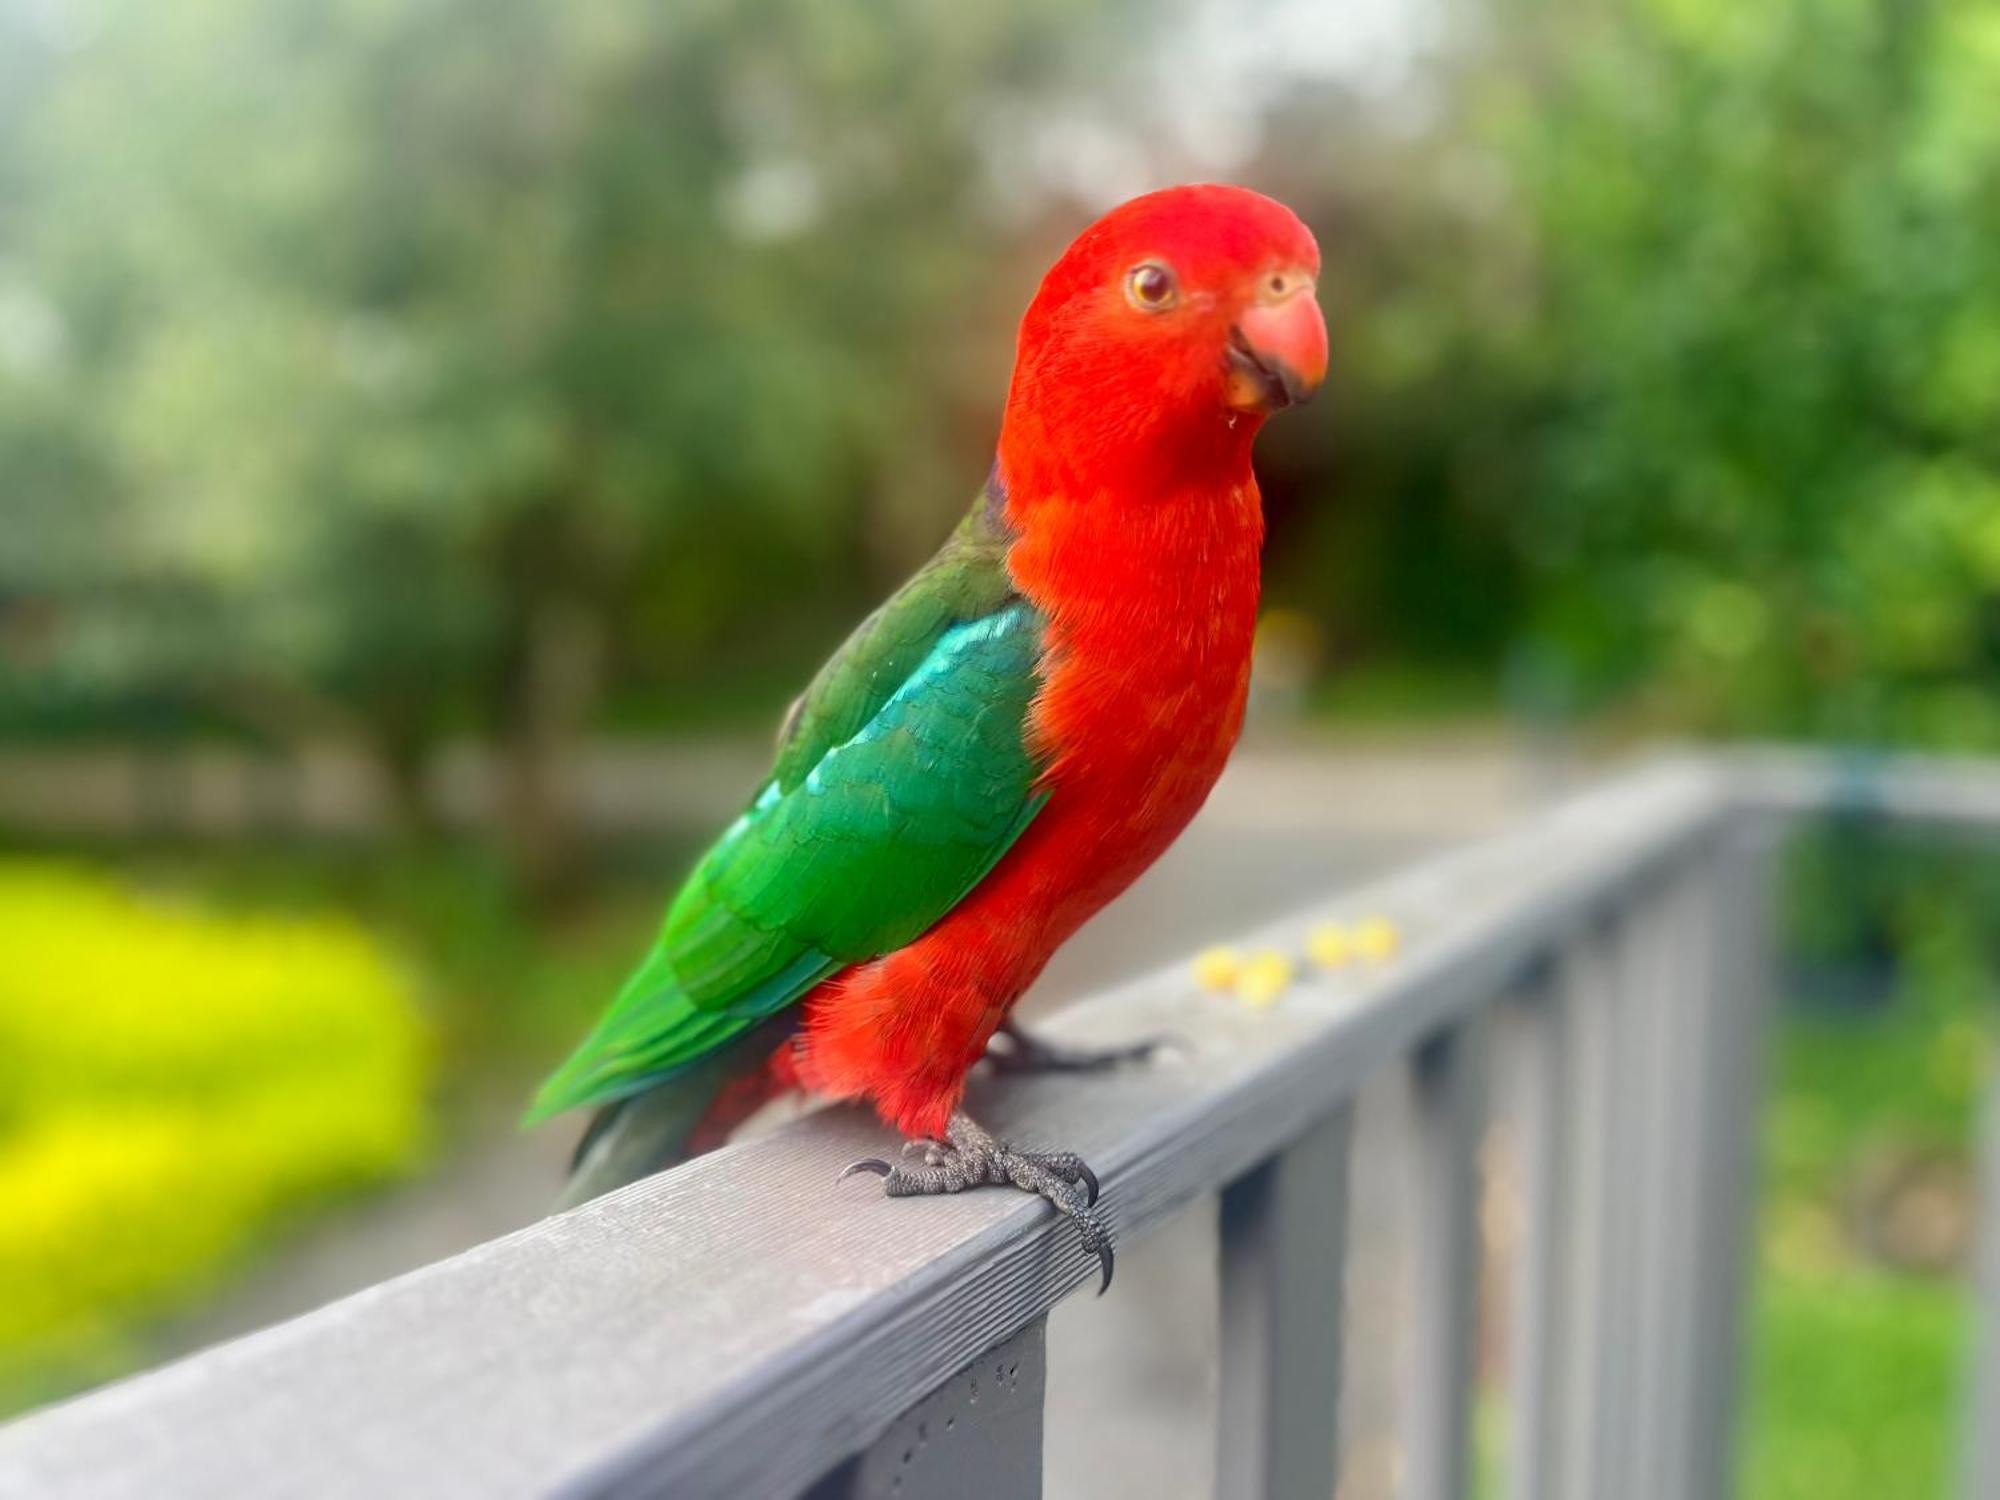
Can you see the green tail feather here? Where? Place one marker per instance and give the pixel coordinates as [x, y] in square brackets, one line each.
[648, 1132]
[637, 1137]
[654, 1032]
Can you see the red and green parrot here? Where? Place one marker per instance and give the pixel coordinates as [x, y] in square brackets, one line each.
[1003, 746]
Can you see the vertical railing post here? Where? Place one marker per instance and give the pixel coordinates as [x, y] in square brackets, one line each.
[1693, 1002]
[1980, 1416]
[1741, 899]
[1588, 981]
[1542, 1275]
[1284, 1247]
[1678, 998]
[1652, 1102]
[1634, 997]
[978, 1434]
[1450, 1078]
[1621, 1200]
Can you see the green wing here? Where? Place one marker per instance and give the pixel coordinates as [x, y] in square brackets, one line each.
[902, 775]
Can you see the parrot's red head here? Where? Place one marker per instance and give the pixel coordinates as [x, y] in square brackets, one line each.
[1162, 338]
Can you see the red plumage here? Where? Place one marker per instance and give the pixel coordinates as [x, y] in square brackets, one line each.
[1137, 529]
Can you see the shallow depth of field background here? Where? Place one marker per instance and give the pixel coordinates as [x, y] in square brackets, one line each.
[437, 436]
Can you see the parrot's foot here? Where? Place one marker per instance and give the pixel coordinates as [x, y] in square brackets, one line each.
[969, 1157]
[1025, 1052]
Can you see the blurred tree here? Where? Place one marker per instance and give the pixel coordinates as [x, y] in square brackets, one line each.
[1762, 331]
[1667, 363]
[443, 365]
[360, 363]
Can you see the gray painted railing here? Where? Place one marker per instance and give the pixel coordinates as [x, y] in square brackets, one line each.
[744, 1327]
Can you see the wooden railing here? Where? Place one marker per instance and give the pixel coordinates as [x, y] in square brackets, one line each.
[744, 1327]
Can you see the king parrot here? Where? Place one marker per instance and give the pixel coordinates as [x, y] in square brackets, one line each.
[1003, 746]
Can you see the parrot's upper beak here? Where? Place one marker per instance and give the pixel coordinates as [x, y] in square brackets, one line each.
[1277, 353]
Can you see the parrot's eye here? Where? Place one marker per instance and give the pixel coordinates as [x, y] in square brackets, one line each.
[1279, 285]
[1150, 287]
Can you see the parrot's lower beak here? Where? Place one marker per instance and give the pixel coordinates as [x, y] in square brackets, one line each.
[1277, 354]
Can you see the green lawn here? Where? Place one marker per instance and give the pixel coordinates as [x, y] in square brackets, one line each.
[1853, 1385]
[1855, 1352]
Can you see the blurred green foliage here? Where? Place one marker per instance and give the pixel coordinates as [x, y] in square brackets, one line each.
[1760, 276]
[1668, 366]
[388, 369]
[177, 1081]
[391, 369]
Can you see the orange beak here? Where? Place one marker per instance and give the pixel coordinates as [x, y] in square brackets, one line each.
[1277, 353]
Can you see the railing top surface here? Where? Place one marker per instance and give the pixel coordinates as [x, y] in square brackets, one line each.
[1940, 791]
[742, 1323]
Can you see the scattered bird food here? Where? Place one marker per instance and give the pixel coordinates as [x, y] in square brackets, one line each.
[1261, 977]
[1264, 978]
[1377, 939]
[1330, 945]
[1217, 969]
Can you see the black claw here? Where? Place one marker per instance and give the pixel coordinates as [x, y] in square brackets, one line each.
[1090, 1187]
[968, 1157]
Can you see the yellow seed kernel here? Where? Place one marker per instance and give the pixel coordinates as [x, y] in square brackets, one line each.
[1329, 945]
[1264, 978]
[1377, 938]
[1217, 968]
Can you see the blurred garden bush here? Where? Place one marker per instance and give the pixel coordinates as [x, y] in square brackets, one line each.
[178, 1081]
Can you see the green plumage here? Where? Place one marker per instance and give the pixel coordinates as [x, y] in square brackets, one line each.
[901, 776]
